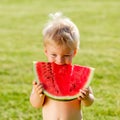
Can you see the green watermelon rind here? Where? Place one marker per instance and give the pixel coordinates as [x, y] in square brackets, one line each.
[64, 98]
[90, 77]
[61, 98]
[34, 69]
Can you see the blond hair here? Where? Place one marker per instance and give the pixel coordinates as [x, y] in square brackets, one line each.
[62, 31]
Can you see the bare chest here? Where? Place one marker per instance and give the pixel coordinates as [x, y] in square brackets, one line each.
[61, 110]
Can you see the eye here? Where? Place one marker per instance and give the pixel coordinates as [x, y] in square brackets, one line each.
[66, 55]
[53, 55]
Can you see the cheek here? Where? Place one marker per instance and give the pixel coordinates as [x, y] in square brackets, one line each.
[50, 59]
[69, 60]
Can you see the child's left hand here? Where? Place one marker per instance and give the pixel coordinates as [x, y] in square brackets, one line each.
[84, 94]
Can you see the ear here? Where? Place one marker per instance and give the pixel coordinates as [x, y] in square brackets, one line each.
[45, 51]
[75, 51]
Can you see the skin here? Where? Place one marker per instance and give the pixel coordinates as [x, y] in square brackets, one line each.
[60, 110]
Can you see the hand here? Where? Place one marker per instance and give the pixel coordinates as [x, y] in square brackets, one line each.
[84, 94]
[38, 88]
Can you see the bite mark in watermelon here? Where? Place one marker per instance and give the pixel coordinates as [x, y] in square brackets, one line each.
[62, 82]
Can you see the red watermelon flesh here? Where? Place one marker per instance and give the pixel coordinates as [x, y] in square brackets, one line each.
[62, 82]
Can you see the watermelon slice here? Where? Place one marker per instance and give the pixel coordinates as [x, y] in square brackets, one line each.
[62, 82]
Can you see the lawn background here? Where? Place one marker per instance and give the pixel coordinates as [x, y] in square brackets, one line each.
[21, 23]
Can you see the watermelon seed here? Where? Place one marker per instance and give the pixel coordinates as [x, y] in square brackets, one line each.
[57, 91]
[73, 86]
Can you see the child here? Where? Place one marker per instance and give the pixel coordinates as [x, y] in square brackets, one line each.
[61, 42]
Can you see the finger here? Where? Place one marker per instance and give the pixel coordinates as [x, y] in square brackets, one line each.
[87, 92]
[40, 87]
[34, 82]
[82, 92]
[80, 95]
[40, 91]
[79, 98]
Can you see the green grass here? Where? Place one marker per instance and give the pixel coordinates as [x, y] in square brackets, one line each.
[21, 23]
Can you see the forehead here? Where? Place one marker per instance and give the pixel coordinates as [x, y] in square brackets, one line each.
[60, 49]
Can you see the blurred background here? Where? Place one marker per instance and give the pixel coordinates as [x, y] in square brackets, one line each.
[21, 24]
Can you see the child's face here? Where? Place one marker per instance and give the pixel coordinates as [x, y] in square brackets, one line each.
[59, 55]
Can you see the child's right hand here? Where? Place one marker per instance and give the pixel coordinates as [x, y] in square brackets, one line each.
[38, 88]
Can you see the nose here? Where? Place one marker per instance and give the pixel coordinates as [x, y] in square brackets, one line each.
[60, 61]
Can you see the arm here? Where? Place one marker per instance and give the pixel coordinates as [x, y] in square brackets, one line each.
[37, 97]
[86, 96]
